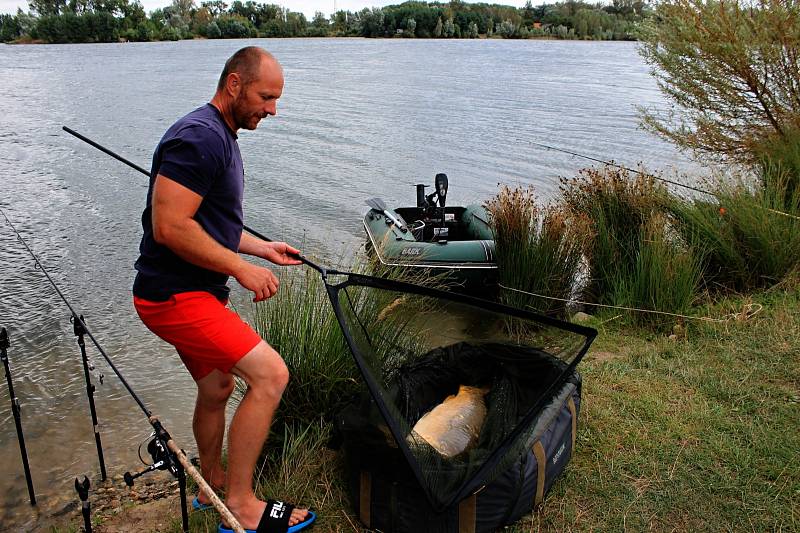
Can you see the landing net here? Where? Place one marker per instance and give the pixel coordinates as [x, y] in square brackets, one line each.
[415, 347]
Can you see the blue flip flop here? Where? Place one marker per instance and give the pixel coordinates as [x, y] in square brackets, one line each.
[276, 520]
[197, 506]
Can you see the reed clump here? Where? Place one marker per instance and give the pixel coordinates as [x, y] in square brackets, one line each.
[666, 276]
[636, 258]
[749, 234]
[539, 250]
[619, 204]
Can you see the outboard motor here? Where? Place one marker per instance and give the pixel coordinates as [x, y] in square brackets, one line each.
[440, 184]
[422, 202]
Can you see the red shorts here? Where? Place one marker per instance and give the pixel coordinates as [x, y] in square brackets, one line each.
[206, 334]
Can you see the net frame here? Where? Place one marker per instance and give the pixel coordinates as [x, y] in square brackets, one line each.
[475, 482]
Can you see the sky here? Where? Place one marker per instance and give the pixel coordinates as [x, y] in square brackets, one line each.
[308, 7]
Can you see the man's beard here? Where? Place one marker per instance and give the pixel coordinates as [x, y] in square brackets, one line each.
[240, 117]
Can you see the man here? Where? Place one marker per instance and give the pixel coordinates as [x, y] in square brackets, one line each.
[191, 245]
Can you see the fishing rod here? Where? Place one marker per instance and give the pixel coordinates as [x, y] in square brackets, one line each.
[621, 167]
[15, 409]
[647, 175]
[77, 319]
[175, 459]
[134, 166]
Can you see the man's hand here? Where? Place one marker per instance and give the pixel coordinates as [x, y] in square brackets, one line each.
[260, 280]
[281, 253]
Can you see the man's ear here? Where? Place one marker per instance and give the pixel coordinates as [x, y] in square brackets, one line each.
[234, 84]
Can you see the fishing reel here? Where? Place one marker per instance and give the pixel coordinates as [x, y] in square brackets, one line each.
[162, 460]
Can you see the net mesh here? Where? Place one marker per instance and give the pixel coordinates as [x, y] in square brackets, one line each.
[417, 349]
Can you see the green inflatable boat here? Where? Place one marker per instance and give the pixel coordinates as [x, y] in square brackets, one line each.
[450, 240]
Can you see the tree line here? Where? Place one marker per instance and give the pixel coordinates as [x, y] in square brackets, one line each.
[80, 21]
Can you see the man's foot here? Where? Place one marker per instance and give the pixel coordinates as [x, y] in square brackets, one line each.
[249, 514]
[204, 500]
[217, 483]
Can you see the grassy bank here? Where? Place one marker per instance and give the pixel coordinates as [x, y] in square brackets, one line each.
[694, 434]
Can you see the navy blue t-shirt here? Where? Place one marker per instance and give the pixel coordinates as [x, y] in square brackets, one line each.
[200, 152]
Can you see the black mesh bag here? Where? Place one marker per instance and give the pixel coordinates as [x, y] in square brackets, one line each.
[418, 349]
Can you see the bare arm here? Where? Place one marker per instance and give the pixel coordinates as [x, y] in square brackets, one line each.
[174, 207]
[279, 253]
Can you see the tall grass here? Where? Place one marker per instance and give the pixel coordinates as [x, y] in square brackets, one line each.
[300, 324]
[665, 276]
[779, 165]
[539, 250]
[746, 240]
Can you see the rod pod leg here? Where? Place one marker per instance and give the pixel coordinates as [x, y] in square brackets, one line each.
[182, 487]
[82, 488]
[15, 410]
[80, 331]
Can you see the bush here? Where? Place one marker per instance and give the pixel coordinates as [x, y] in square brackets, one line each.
[168, 33]
[101, 27]
[638, 258]
[212, 31]
[779, 164]
[145, 31]
[234, 27]
[729, 69]
[538, 250]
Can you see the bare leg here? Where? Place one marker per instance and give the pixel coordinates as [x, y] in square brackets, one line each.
[213, 392]
[266, 376]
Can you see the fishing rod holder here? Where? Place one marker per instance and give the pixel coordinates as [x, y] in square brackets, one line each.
[16, 409]
[82, 488]
[79, 329]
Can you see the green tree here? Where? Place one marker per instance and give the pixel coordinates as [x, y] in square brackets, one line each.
[215, 7]
[339, 22]
[731, 71]
[45, 8]
[411, 27]
[319, 20]
[10, 28]
[528, 14]
[372, 22]
[449, 28]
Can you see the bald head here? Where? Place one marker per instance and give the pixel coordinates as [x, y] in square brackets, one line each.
[247, 64]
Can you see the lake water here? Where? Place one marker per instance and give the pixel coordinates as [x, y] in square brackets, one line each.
[359, 118]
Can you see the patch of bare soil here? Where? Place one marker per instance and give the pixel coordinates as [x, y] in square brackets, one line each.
[149, 506]
[154, 516]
